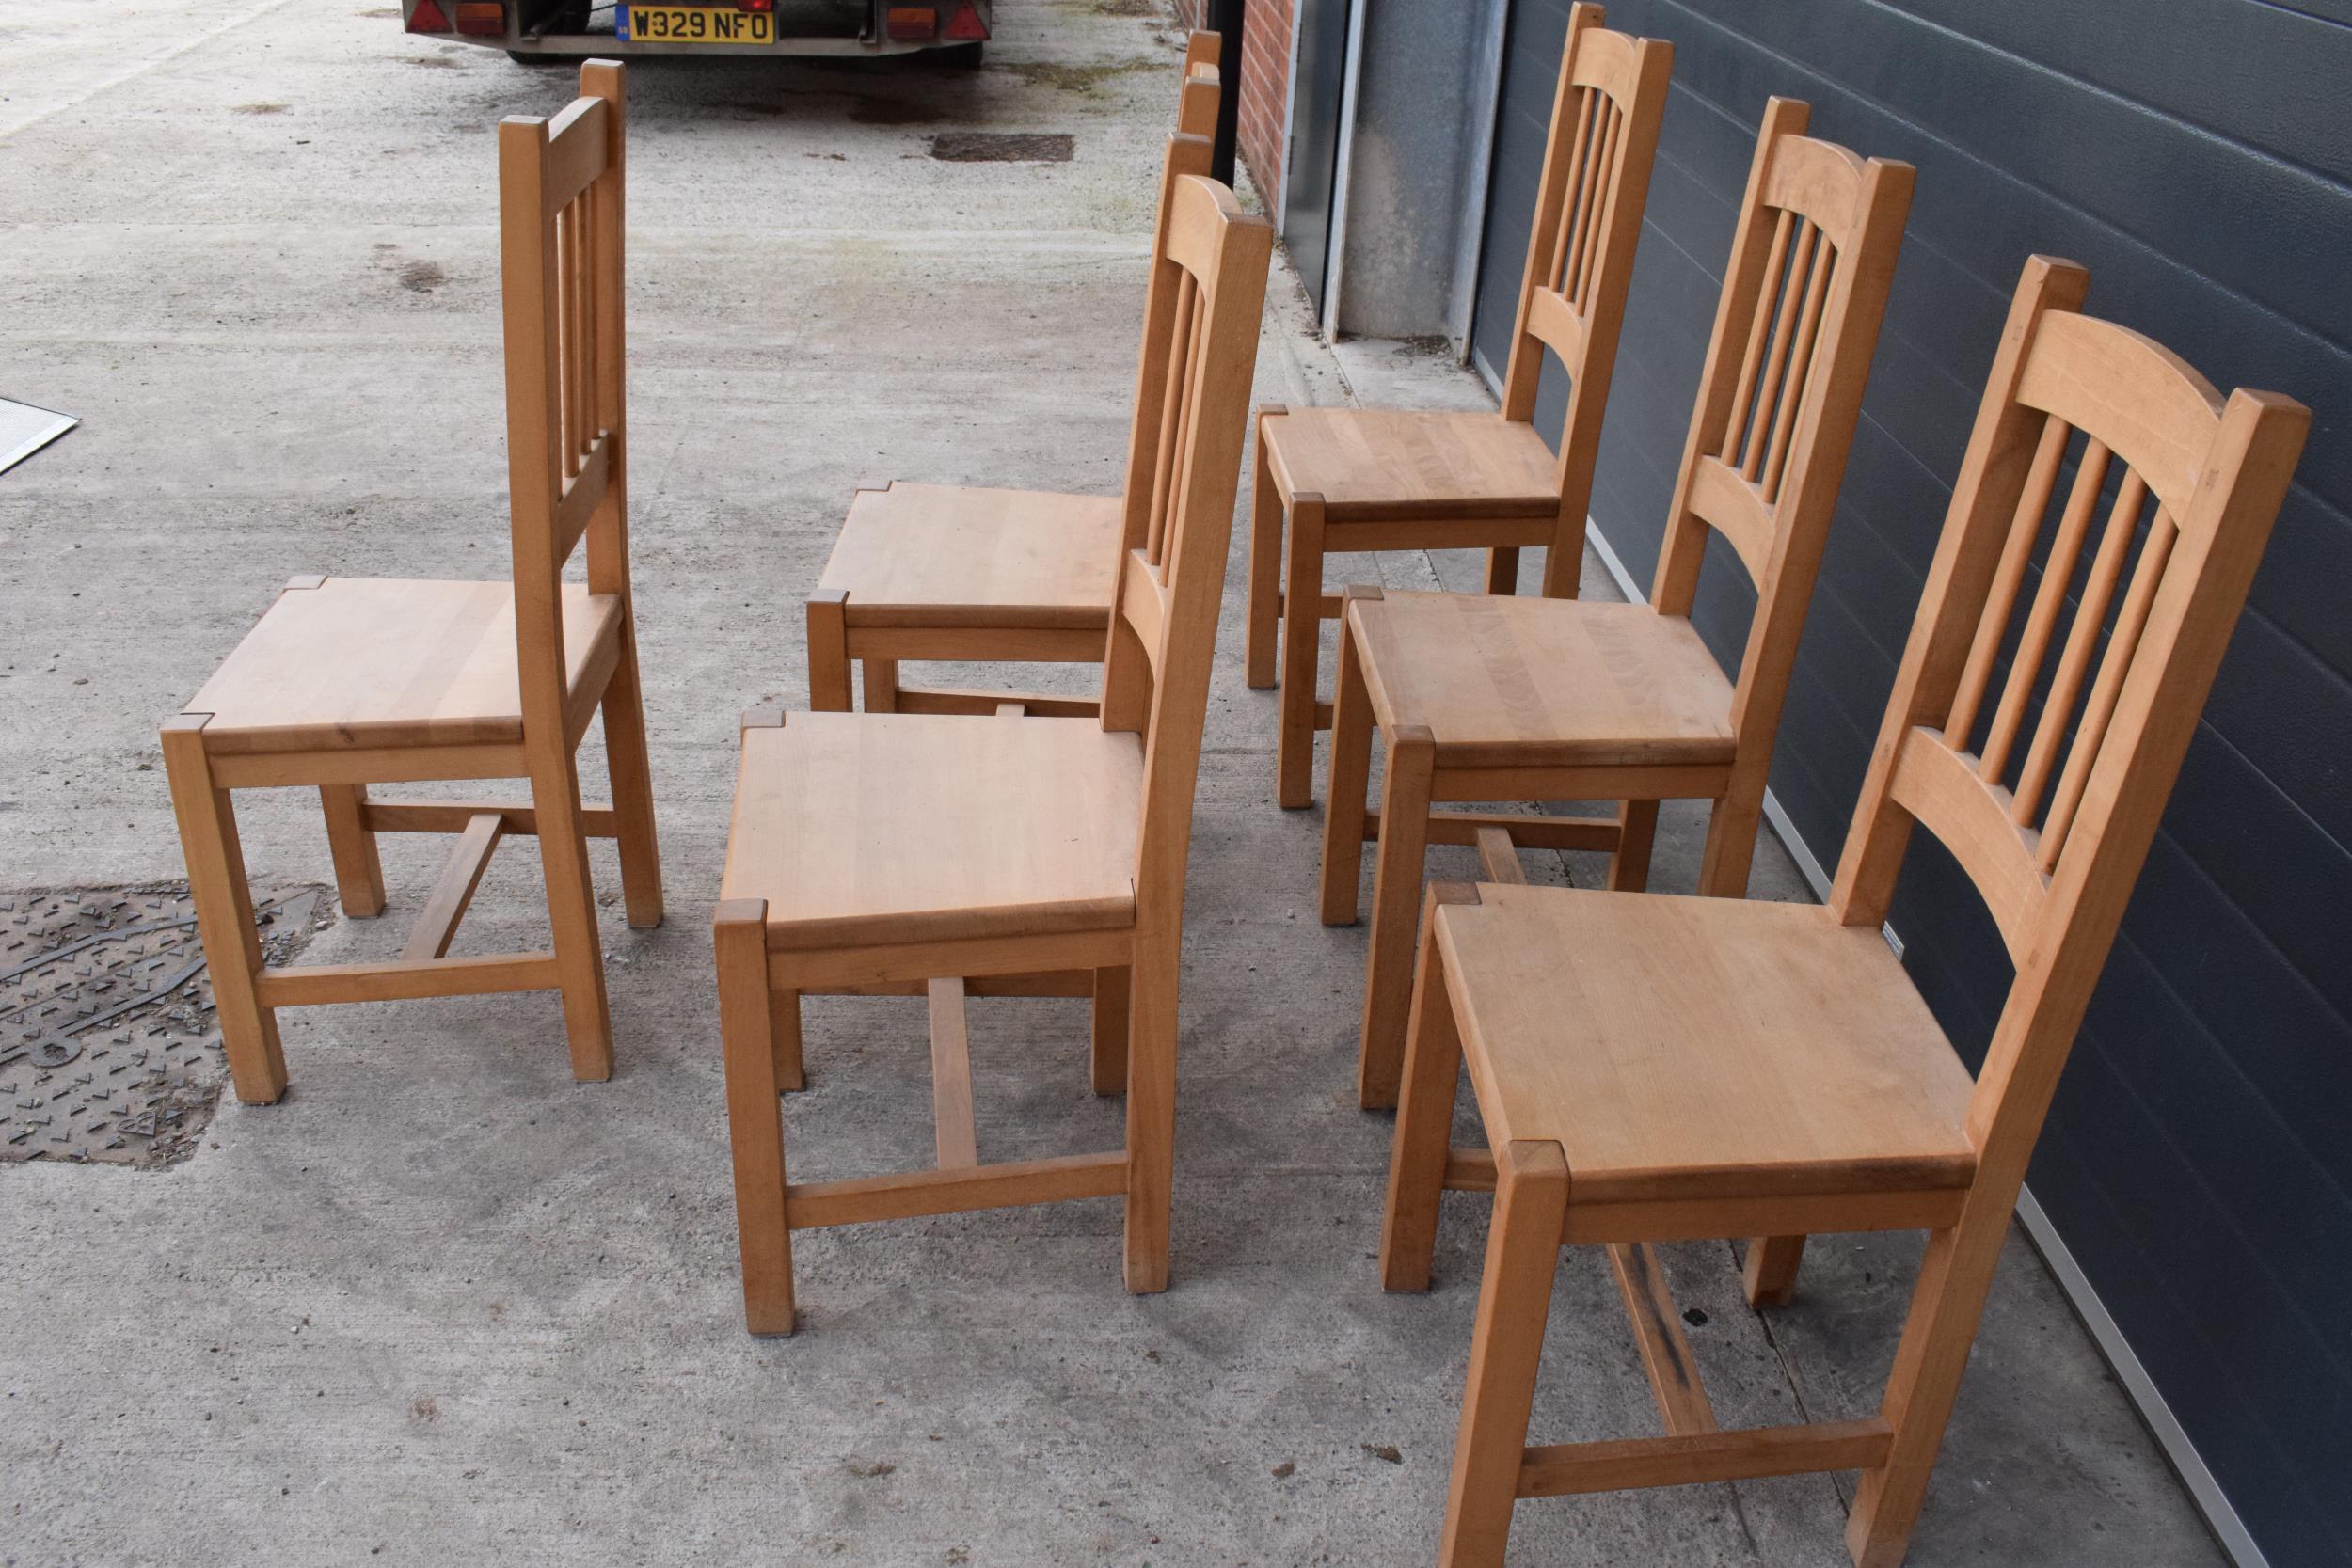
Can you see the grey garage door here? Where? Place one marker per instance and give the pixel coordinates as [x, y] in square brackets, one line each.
[2197, 158]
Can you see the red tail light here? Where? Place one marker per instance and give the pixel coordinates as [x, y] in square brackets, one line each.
[755, 4]
[913, 24]
[482, 18]
[428, 18]
[966, 23]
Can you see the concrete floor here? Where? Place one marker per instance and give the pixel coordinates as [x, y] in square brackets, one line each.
[443, 1305]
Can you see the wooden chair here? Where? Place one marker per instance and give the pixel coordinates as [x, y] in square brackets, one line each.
[1652, 1068]
[1484, 697]
[1360, 479]
[352, 681]
[953, 854]
[960, 571]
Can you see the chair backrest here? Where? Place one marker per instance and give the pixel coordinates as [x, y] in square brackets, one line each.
[1163, 634]
[1158, 370]
[1197, 100]
[2053, 837]
[1811, 260]
[1588, 221]
[560, 239]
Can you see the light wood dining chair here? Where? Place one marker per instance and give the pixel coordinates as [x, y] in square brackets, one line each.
[1487, 698]
[1364, 479]
[347, 682]
[952, 573]
[1652, 1069]
[953, 854]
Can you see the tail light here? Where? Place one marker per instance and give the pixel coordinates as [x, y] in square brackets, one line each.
[482, 18]
[967, 25]
[428, 18]
[755, 4]
[911, 24]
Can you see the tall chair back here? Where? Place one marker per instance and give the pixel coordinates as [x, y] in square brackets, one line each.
[1780, 394]
[1158, 372]
[1213, 273]
[1588, 220]
[2053, 834]
[561, 221]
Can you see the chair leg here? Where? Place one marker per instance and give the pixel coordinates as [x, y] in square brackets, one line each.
[224, 913]
[1110, 1030]
[1151, 1109]
[1731, 828]
[1954, 1277]
[1425, 1127]
[784, 1040]
[1506, 1348]
[1637, 830]
[1503, 569]
[754, 1120]
[358, 869]
[1396, 882]
[828, 652]
[1769, 1272]
[882, 685]
[1262, 615]
[1302, 648]
[572, 914]
[630, 769]
[1351, 773]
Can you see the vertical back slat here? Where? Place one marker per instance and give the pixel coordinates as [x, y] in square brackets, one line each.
[2147, 576]
[2033, 502]
[1799, 364]
[1604, 157]
[1751, 362]
[1588, 180]
[1571, 229]
[2091, 477]
[1780, 295]
[2082, 640]
[1171, 413]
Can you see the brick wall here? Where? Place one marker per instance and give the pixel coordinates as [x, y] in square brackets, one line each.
[1263, 82]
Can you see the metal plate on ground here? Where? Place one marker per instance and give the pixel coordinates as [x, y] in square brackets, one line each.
[108, 1052]
[24, 430]
[998, 146]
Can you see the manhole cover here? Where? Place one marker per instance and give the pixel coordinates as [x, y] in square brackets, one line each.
[998, 146]
[108, 1054]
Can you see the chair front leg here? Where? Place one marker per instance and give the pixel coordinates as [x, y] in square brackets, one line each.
[1396, 884]
[1263, 613]
[755, 1119]
[1351, 774]
[1302, 649]
[1425, 1116]
[630, 768]
[224, 913]
[1151, 1107]
[358, 869]
[1506, 1350]
[572, 915]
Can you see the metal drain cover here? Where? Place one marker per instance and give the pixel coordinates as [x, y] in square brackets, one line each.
[998, 146]
[108, 1054]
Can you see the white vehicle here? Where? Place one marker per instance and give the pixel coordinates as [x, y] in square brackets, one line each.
[545, 31]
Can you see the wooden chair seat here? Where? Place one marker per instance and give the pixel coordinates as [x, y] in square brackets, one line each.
[1498, 679]
[921, 826]
[947, 555]
[1381, 463]
[357, 662]
[1720, 1050]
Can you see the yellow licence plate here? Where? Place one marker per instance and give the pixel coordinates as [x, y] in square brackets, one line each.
[695, 25]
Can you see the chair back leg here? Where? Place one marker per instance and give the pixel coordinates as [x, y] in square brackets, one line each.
[572, 914]
[1151, 1025]
[630, 769]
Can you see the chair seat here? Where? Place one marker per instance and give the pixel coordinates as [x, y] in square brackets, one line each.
[945, 555]
[1688, 1048]
[1549, 682]
[387, 661]
[1371, 463]
[866, 828]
